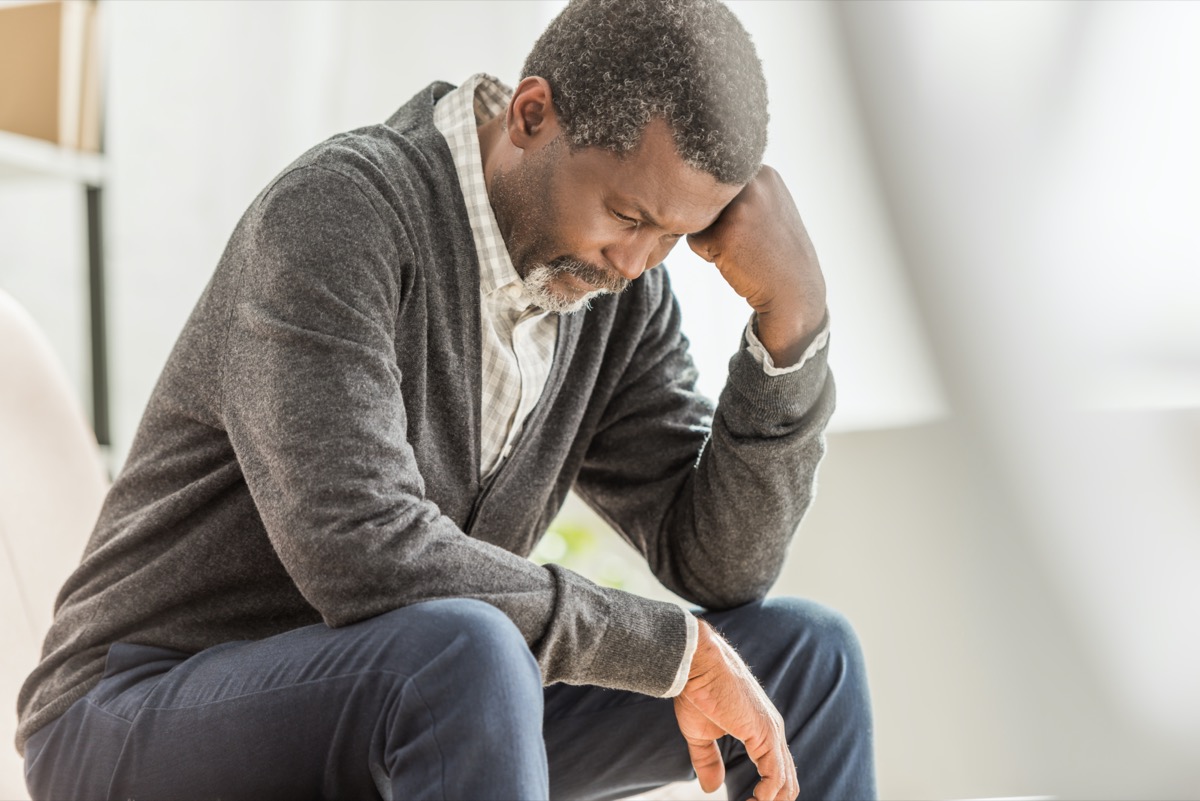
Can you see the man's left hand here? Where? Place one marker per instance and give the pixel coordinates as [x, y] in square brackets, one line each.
[762, 249]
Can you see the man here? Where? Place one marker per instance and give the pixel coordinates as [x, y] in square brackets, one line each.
[310, 578]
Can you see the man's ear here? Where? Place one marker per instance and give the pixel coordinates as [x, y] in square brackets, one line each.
[532, 120]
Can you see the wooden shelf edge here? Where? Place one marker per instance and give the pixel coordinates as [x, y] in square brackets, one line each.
[26, 157]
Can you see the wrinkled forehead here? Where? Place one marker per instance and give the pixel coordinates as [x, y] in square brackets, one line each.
[654, 178]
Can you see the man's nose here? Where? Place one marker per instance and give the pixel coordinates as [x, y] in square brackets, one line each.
[632, 256]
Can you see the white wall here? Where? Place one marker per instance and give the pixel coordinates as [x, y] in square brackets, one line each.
[210, 100]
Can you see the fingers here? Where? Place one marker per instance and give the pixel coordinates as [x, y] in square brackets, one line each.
[722, 696]
[777, 776]
[701, 735]
[701, 245]
[789, 787]
[777, 770]
[708, 764]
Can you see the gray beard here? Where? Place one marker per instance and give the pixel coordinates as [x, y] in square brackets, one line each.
[538, 280]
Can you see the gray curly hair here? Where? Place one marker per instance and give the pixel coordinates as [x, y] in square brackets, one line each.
[613, 65]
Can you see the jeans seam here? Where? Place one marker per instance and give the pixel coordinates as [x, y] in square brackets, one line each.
[432, 733]
[112, 778]
[265, 690]
[29, 766]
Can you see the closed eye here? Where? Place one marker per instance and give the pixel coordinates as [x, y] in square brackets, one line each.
[627, 220]
[637, 224]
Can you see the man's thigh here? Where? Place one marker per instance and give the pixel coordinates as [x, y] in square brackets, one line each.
[314, 712]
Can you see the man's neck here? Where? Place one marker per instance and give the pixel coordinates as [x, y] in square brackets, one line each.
[489, 139]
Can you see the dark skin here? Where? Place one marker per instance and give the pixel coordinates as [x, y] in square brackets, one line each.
[623, 215]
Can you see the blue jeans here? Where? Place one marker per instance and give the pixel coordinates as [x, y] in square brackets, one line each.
[437, 700]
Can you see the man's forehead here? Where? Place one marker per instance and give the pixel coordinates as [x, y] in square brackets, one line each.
[654, 181]
[673, 220]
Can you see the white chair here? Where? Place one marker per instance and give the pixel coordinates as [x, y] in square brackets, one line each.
[52, 483]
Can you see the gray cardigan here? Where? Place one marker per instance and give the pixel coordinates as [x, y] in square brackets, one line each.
[311, 451]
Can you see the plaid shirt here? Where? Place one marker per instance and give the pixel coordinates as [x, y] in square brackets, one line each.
[518, 337]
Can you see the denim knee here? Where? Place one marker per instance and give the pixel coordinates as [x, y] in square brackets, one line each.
[783, 631]
[828, 629]
[828, 651]
[488, 645]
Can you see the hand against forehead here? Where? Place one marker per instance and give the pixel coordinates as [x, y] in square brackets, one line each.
[762, 249]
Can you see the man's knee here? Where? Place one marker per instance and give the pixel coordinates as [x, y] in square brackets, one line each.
[820, 652]
[480, 644]
[484, 630]
[785, 633]
[823, 630]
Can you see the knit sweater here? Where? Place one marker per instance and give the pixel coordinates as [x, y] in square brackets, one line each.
[310, 453]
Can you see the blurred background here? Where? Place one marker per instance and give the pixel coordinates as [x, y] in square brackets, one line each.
[1004, 199]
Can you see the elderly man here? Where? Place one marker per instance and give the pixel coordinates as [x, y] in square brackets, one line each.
[310, 578]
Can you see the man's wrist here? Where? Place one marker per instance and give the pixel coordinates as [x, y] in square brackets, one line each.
[786, 334]
[769, 364]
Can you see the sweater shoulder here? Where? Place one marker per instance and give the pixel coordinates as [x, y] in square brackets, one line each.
[403, 167]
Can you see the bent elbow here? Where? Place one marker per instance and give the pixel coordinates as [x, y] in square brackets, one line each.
[733, 590]
[731, 600]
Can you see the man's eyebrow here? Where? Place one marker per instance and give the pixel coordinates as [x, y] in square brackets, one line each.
[648, 218]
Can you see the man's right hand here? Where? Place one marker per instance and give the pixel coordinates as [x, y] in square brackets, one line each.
[722, 697]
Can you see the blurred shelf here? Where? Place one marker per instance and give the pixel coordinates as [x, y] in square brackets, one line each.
[25, 157]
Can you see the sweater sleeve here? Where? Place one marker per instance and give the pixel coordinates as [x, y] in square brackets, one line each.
[312, 403]
[711, 497]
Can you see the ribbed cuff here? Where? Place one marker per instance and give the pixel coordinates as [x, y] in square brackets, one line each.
[755, 404]
[759, 351]
[642, 646]
[681, 677]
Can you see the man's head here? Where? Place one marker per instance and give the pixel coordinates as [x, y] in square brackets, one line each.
[614, 65]
[635, 122]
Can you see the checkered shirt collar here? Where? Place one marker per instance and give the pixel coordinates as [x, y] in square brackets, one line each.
[457, 116]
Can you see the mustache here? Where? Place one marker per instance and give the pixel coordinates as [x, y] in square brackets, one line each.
[602, 279]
